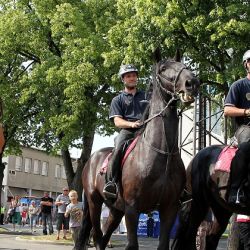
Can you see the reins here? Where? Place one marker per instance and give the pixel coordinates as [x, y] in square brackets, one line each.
[174, 97]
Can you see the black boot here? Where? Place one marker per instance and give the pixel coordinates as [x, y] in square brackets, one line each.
[237, 178]
[110, 189]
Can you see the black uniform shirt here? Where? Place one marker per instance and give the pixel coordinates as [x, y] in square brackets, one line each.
[127, 106]
[239, 96]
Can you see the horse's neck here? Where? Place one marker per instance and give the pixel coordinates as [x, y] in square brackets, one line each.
[162, 131]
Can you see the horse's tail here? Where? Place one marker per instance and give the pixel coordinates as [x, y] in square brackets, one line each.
[180, 241]
[83, 237]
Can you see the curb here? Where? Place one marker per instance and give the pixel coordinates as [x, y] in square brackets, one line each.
[44, 242]
[16, 233]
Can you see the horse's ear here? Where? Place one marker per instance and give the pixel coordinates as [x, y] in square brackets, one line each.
[157, 54]
[177, 56]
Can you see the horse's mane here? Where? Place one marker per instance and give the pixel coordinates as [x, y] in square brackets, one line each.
[146, 111]
[149, 91]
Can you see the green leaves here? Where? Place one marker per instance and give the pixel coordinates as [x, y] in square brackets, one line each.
[59, 59]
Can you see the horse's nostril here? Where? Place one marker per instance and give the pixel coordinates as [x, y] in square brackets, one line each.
[188, 84]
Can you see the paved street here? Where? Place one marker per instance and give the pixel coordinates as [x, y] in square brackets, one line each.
[11, 242]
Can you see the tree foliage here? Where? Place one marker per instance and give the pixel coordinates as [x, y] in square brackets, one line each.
[59, 59]
[212, 34]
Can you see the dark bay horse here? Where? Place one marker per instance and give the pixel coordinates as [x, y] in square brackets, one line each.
[153, 175]
[210, 189]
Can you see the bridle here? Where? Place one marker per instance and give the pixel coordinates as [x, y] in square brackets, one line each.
[174, 95]
[159, 83]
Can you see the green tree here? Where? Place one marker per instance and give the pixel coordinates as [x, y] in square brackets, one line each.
[53, 83]
[58, 61]
[212, 34]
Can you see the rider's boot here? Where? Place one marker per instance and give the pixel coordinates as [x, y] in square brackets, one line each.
[110, 189]
[236, 193]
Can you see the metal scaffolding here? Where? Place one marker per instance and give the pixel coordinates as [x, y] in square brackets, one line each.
[207, 115]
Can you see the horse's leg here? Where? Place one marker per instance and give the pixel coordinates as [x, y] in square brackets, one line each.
[167, 218]
[95, 207]
[83, 236]
[191, 216]
[131, 218]
[218, 227]
[114, 219]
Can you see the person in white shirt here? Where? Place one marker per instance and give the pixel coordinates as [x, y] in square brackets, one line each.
[62, 201]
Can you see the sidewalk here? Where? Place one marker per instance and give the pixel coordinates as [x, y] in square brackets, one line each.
[25, 240]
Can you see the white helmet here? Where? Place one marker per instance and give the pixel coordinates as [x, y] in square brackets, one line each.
[246, 56]
[126, 69]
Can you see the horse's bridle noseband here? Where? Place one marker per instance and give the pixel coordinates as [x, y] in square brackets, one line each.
[174, 93]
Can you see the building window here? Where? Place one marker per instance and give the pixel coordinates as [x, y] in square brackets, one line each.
[63, 173]
[45, 167]
[37, 166]
[58, 171]
[19, 163]
[27, 165]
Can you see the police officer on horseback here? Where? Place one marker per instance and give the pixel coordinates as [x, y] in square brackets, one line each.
[126, 111]
[237, 105]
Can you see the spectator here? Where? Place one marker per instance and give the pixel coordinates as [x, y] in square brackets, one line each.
[24, 214]
[33, 214]
[10, 213]
[150, 225]
[2, 208]
[39, 219]
[104, 219]
[46, 209]
[62, 201]
[74, 210]
[204, 230]
[16, 216]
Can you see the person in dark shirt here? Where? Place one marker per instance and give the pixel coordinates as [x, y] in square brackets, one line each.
[46, 210]
[126, 110]
[237, 105]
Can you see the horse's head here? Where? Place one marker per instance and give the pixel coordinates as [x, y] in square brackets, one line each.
[176, 79]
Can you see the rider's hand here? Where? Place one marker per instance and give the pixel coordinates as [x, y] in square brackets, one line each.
[247, 112]
[136, 124]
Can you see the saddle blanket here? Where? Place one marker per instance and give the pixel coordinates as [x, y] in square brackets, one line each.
[104, 167]
[225, 158]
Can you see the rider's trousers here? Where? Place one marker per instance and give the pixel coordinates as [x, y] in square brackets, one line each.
[115, 161]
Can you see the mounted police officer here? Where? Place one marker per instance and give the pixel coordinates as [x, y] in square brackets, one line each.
[237, 105]
[126, 111]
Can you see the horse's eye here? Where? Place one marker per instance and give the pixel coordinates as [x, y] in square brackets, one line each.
[163, 68]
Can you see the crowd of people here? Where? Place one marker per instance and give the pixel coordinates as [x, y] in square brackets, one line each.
[66, 210]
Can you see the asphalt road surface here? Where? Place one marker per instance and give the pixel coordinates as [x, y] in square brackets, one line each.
[11, 242]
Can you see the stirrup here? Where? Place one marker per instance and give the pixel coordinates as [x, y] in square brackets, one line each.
[237, 197]
[110, 194]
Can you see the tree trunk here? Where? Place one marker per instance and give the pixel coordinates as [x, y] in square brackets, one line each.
[75, 179]
[233, 237]
[2, 167]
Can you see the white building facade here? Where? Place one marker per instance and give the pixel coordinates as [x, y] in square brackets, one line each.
[32, 173]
